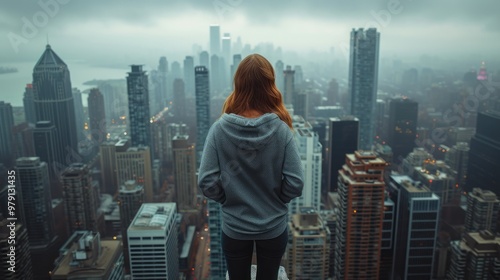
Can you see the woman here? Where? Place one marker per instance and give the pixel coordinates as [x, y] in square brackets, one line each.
[251, 166]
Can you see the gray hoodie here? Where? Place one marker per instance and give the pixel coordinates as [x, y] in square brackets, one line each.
[252, 167]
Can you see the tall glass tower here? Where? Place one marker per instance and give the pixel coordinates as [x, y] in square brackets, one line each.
[202, 109]
[138, 106]
[53, 99]
[363, 82]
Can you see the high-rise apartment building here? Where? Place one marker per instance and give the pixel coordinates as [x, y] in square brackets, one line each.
[308, 251]
[402, 126]
[80, 198]
[152, 242]
[342, 140]
[363, 82]
[107, 158]
[458, 158]
[475, 257]
[218, 266]
[186, 187]
[138, 106]
[416, 231]
[97, 117]
[189, 75]
[134, 163]
[279, 67]
[14, 264]
[482, 211]
[53, 99]
[484, 159]
[6, 124]
[310, 151]
[361, 191]
[179, 108]
[202, 109]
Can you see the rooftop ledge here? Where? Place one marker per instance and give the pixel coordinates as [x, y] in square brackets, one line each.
[281, 273]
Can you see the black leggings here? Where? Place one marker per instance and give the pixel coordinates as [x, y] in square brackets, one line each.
[239, 256]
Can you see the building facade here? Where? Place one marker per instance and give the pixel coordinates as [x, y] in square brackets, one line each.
[138, 106]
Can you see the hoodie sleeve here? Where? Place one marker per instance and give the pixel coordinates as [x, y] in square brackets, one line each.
[293, 174]
[209, 179]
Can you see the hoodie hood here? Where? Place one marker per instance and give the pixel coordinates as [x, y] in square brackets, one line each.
[250, 133]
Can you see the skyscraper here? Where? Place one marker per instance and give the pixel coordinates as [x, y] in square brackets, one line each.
[279, 67]
[402, 126]
[138, 105]
[186, 187]
[34, 187]
[289, 85]
[214, 39]
[234, 67]
[107, 158]
[47, 149]
[416, 229]
[79, 198]
[215, 75]
[77, 98]
[218, 266]
[22, 264]
[97, 116]
[53, 99]
[484, 159]
[152, 242]
[6, 124]
[204, 59]
[359, 233]
[202, 109]
[310, 151]
[135, 164]
[28, 104]
[363, 81]
[226, 47]
[179, 107]
[163, 72]
[342, 140]
[482, 211]
[308, 247]
[189, 76]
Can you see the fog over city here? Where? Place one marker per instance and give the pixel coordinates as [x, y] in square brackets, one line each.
[102, 32]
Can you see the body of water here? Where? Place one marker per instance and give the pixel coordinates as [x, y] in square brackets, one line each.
[12, 84]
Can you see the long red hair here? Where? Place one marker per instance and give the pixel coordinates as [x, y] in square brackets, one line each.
[255, 89]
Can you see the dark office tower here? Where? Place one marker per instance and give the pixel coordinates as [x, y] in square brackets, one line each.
[97, 116]
[342, 140]
[234, 67]
[138, 106]
[363, 81]
[387, 248]
[79, 198]
[214, 40]
[6, 124]
[215, 81]
[189, 75]
[332, 93]
[416, 229]
[162, 73]
[403, 115]
[184, 173]
[22, 265]
[457, 158]
[288, 85]
[484, 154]
[279, 80]
[204, 59]
[22, 137]
[361, 215]
[107, 157]
[53, 99]
[29, 104]
[202, 109]
[482, 211]
[79, 117]
[33, 185]
[179, 107]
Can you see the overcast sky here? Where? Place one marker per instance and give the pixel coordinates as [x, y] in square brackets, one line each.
[133, 31]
